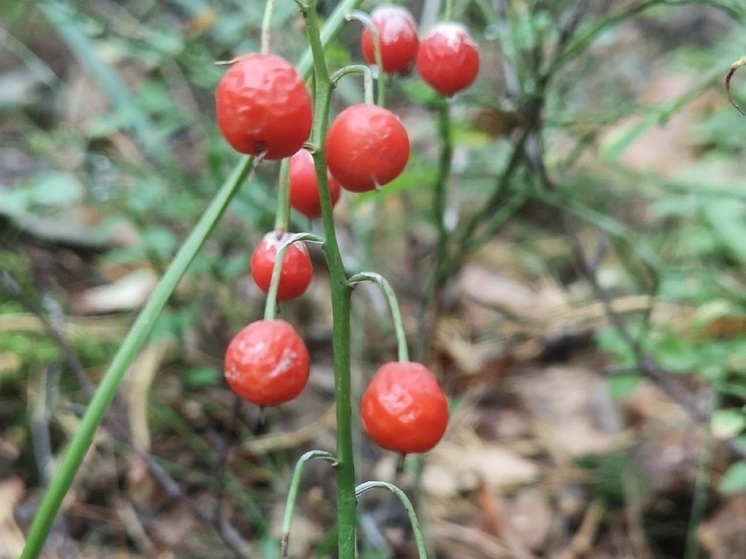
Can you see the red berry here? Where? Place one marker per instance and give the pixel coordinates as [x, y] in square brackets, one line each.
[404, 409]
[366, 147]
[397, 35]
[263, 106]
[448, 58]
[304, 188]
[297, 270]
[267, 363]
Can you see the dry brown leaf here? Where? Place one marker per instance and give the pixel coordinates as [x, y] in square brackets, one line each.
[723, 535]
[139, 381]
[11, 536]
[530, 516]
[453, 468]
[127, 293]
[572, 410]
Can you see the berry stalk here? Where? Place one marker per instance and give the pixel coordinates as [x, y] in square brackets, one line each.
[401, 336]
[282, 216]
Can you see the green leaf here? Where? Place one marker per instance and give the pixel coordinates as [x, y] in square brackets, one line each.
[727, 423]
[734, 480]
[622, 385]
[676, 354]
[728, 220]
[201, 377]
[55, 190]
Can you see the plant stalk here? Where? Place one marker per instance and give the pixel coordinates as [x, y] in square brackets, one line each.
[341, 305]
[145, 321]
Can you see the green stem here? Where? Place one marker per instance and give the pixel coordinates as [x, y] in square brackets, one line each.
[448, 11]
[80, 443]
[131, 345]
[438, 217]
[266, 26]
[367, 22]
[440, 190]
[492, 203]
[418, 537]
[340, 294]
[357, 69]
[293, 492]
[270, 307]
[282, 216]
[401, 337]
[329, 32]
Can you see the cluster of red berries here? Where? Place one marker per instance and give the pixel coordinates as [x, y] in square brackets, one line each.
[263, 108]
[447, 58]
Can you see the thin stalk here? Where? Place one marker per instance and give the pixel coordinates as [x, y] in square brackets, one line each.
[328, 32]
[438, 218]
[439, 192]
[81, 441]
[340, 293]
[401, 336]
[416, 530]
[367, 22]
[282, 216]
[293, 492]
[367, 79]
[740, 63]
[448, 11]
[492, 203]
[701, 483]
[266, 26]
[270, 307]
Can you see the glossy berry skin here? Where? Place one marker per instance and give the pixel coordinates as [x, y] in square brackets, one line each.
[448, 59]
[263, 107]
[297, 270]
[397, 34]
[366, 147]
[267, 363]
[404, 409]
[304, 188]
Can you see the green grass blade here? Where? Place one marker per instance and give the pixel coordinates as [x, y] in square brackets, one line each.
[132, 344]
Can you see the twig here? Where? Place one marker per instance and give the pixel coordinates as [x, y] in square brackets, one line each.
[583, 538]
[734, 67]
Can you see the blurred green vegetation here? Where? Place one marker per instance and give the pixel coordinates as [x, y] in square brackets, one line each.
[110, 151]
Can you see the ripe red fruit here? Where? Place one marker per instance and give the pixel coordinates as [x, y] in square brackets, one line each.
[448, 58]
[267, 363]
[366, 147]
[297, 270]
[263, 106]
[397, 34]
[404, 409]
[304, 188]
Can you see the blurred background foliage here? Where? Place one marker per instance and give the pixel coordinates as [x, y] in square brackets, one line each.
[109, 154]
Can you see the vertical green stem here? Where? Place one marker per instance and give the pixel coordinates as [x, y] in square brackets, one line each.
[448, 12]
[267, 25]
[438, 217]
[340, 292]
[282, 216]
